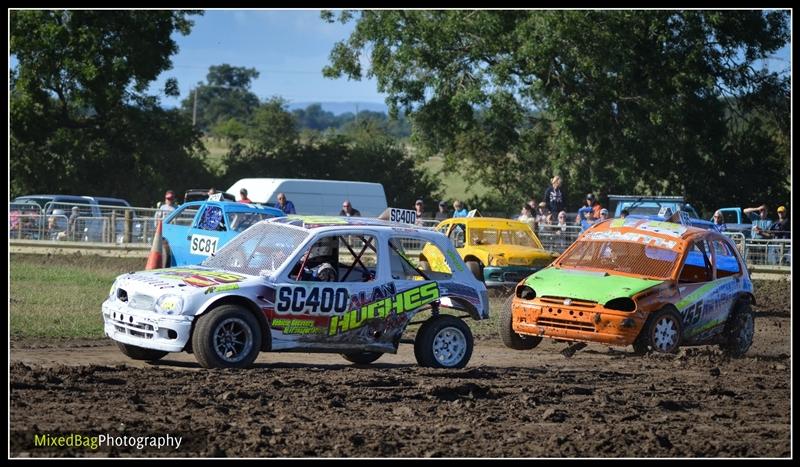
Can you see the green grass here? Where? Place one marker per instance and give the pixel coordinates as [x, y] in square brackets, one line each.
[60, 297]
[453, 184]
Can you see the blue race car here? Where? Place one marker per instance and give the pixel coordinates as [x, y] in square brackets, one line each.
[196, 230]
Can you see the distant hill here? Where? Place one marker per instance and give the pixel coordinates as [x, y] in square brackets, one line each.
[338, 108]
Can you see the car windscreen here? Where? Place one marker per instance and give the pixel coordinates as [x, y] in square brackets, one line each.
[491, 236]
[620, 256]
[259, 250]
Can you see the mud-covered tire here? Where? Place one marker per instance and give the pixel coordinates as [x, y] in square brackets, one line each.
[443, 341]
[226, 337]
[140, 353]
[739, 330]
[362, 358]
[661, 333]
[475, 268]
[511, 339]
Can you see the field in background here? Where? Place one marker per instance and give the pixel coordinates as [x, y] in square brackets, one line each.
[453, 185]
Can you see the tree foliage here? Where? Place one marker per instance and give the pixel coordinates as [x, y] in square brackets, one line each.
[629, 102]
[225, 95]
[81, 120]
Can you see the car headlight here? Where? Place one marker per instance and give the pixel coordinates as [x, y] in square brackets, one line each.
[112, 293]
[169, 305]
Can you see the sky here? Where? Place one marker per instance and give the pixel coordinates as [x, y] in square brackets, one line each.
[289, 48]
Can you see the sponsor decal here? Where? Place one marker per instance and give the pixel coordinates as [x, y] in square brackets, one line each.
[666, 228]
[221, 288]
[203, 245]
[406, 301]
[455, 260]
[200, 277]
[312, 300]
[296, 326]
[403, 216]
[708, 306]
[631, 237]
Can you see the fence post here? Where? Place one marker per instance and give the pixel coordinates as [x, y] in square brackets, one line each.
[127, 227]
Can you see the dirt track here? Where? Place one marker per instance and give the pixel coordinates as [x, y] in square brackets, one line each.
[601, 402]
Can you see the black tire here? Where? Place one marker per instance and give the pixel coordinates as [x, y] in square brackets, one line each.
[511, 339]
[215, 342]
[661, 333]
[140, 353]
[362, 358]
[475, 268]
[739, 329]
[443, 341]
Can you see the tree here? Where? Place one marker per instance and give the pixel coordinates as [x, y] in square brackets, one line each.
[225, 95]
[614, 101]
[81, 121]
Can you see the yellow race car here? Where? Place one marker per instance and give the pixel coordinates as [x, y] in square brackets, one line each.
[500, 252]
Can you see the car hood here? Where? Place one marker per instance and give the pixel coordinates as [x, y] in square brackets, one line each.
[515, 251]
[591, 286]
[182, 280]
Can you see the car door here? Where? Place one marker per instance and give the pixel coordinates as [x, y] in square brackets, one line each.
[176, 230]
[208, 233]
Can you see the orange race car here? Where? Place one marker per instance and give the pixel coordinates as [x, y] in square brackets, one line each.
[654, 285]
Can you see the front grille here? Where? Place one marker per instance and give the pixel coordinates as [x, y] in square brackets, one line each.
[565, 324]
[126, 325]
[560, 301]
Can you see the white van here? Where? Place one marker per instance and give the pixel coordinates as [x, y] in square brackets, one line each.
[321, 197]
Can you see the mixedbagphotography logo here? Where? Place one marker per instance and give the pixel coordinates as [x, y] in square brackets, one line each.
[94, 442]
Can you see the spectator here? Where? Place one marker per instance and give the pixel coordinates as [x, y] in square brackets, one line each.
[603, 215]
[624, 213]
[526, 215]
[57, 225]
[761, 220]
[419, 209]
[443, 213]
[587, 220]
[779, 230]
[285, 205]
[348, 210]
[243, 194]
[542, 214]
[212, 191]
[553, 196]
[73, 223]
[561, 231]
[459, 210]
[719, 221]
[168, 206]
[592, 205]
[532, 204]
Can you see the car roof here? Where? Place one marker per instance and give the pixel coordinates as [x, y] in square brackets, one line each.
[659, 233]
[233, 205]
[487, 221]
[341, 222]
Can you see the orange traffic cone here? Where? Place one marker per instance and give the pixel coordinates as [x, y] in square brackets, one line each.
[156, 258]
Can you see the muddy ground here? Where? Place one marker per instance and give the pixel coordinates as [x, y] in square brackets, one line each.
[602, 402]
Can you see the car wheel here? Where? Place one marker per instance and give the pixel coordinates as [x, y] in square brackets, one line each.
[739, 329]
[475, 268]
[511, 339]
[362, 358]
[226, 337]
[662, 333]
[140, 353]
[443, 341]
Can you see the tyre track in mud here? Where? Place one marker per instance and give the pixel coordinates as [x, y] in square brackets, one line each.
[602, 402]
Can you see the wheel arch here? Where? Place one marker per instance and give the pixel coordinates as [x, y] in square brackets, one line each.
[464, 305]
[266, 336]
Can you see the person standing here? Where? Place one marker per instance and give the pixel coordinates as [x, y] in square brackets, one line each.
[348, 210]
[244, 198]
[168, 206]
[553, 196]
[459, 209]
[761, 220]
[73, 223]
[285, 205]
[719, 221]
[779, 230]
[442, 213]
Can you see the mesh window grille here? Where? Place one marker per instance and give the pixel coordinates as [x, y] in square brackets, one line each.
[259, 250]
[627, 257]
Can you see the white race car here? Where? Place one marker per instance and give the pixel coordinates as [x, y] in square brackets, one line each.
[303, 284]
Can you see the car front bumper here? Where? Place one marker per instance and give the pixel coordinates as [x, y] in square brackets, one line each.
[506, 276]
[144, 328]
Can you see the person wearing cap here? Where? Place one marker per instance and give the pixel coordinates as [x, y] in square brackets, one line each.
[244, 198]
[603, 215]
[348, 210]
[553, 196]
[442, 213]
[761, 221]
[591, 206]
[459, 210]
[779, 230]
[168, 206]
